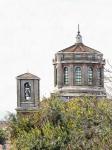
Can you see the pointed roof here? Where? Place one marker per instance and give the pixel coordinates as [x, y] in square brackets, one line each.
[79, 47]
[27, 76]
[78, 37]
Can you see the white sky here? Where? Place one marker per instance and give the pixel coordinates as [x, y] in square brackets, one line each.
[32, 31]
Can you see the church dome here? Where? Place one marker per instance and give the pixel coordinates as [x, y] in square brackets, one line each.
[79, 71]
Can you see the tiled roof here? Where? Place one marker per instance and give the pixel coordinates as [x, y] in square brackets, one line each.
[80, 47]
[27, 76]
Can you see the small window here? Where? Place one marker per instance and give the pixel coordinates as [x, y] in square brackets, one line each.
[90, 57]
[78, 76]
[66, 75]
[99, 57]
[77, 56]
[90, 75]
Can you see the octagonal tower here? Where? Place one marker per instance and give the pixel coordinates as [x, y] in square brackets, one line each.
[79, 71]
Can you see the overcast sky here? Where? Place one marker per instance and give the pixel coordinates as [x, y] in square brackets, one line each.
[32, 31]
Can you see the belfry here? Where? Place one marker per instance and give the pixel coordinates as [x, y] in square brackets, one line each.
[28, 93]
[79, 71]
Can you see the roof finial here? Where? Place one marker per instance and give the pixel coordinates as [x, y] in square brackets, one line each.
[78, 30]
[78, 37]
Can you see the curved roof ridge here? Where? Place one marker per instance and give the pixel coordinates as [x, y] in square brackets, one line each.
[83, 50]
[75, 47]
[92, 49]
[67, 48]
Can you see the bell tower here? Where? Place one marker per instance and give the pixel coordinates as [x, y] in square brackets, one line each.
[28, 93]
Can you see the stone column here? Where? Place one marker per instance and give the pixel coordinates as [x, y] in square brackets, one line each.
[84, 75]
[18, 93]
[102, 76]
[59, 75]
[36, 92]
[95, 76]
[55, 75]
[71, 74]
[59, 71]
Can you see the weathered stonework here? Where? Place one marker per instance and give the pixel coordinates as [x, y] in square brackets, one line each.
[31, 101]
[84, 57]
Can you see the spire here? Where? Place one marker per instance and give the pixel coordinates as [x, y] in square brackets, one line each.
[78, 37]
[78, 30]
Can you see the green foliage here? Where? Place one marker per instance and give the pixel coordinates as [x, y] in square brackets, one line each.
[2, 136]
[80, 124]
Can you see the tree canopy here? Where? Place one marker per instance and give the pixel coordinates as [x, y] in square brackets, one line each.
[3, 136]
[79, 124]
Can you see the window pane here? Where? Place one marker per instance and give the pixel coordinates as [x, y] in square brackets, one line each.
[65, 75]
[77, 56]
[90, 75]
[78, 76]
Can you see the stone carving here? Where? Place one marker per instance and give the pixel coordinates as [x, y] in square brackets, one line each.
[27, 91]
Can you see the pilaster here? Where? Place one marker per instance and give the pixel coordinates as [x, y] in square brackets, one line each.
[95, 76]
[71, 71]
[102, 76]
[59, 75]
[85, 74]
[18, 93]
[55, 75]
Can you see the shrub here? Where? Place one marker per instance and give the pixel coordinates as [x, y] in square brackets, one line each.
[74, 125]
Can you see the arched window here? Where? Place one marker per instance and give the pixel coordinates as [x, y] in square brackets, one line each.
[78, 76]
[90, 75]
[27, 91]
[65, 75]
